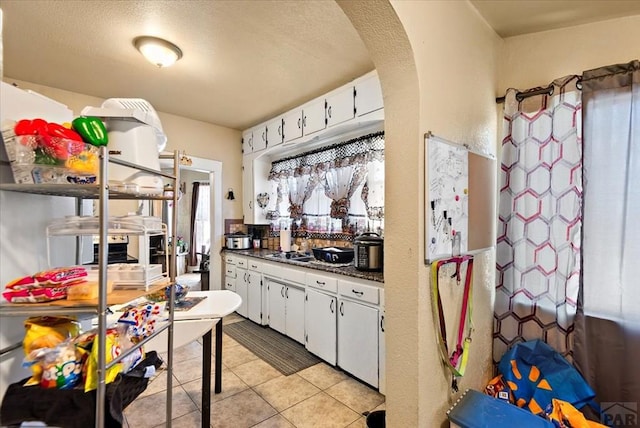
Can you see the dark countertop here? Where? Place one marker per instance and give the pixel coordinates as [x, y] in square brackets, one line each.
[320, 266]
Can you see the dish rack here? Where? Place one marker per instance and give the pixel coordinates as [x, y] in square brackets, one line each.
[127, 276]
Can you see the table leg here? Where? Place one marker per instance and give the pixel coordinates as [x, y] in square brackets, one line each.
[206, 378]
[218, 386]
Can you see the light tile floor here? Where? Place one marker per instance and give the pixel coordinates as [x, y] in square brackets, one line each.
[254, 394]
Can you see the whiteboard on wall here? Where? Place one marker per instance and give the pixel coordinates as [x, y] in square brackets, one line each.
[459, 199]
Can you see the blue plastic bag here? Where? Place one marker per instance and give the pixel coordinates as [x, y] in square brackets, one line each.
[536, 374]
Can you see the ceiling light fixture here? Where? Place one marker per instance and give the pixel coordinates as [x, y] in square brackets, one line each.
[157, 51]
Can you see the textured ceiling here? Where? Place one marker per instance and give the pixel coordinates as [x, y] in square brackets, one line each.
[244, 61]
[515, 17]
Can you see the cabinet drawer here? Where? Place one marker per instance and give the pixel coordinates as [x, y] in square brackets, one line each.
[230, 271]
[229, 259]
[254, 265]
[293, 275]
[241, 262]
[322, 282]
[358, 291]
[273, 270]
[230, 284]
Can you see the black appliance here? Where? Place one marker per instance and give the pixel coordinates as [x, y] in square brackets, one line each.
[117, 250]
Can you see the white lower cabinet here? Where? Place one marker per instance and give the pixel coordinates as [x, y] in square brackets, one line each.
[286, 309]
[254, 296]
[242, 291]
[320, 322]
[358, 340]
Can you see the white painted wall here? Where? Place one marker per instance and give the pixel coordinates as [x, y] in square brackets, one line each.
[537, 59]
[194, 137]
[437, 61]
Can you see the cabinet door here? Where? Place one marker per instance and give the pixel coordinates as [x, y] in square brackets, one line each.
[295, 313]
[313, 117]
[247, 191]
[247, 141]
[340, 107]
[275, 133]
[368, 96]
[292, 125]
[276, 306]
[254, 296]
[241, 290]
[320, 325]
[259, 138]
[358, 340]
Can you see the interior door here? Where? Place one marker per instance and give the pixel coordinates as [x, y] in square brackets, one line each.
[320, 324]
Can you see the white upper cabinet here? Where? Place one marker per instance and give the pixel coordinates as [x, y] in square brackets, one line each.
[254, 140]
[292, 125]
[259, 138]
[340, 106]
[368, 95]
[275, 132]
[306, 121]
[247, 141]
[346, 106]
[313, 117]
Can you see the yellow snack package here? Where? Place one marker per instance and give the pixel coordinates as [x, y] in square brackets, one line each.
[46, 332]
[112, 350]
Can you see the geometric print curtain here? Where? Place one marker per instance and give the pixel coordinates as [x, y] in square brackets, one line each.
[539, 219]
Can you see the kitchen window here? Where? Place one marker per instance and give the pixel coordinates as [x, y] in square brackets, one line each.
[334, 190]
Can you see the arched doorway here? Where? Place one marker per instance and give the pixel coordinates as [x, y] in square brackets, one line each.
[391, 52]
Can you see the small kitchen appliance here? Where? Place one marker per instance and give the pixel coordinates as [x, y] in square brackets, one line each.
[237, 241]
[135, 136]
[368, 252]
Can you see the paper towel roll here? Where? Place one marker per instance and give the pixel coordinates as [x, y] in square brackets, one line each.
[285, 240]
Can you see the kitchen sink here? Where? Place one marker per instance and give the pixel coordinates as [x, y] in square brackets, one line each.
[292, 257]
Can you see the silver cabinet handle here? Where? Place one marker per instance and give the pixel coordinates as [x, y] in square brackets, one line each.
[329, 112]
[382, 323]
[304, 121]
[286, 292]
[331, 305]
[320, 282]
[342, 308]
[299, 123]
[357, 293]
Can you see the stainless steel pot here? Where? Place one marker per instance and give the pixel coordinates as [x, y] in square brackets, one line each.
[237, 241]
[369, 254]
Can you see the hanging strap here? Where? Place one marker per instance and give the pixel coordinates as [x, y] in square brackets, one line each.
[457, 361]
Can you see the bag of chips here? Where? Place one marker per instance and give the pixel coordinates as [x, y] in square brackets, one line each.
[46, 332]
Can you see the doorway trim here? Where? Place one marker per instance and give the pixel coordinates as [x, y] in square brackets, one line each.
[214, 169]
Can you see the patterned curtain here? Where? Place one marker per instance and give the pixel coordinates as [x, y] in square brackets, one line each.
[341, 178]
[539, 219]
[340, 168]
[300, 186]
